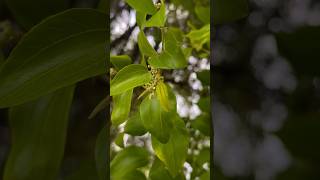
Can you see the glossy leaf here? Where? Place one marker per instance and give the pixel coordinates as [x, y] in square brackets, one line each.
[141, 19]
[172, 57]
[121, 107]
[144, 6]
[121, 61]
[145, 46]
[159, 18]
[174, 153]
[159, 172]
[162, 95]
[199, 37]
[60, 51]
[29, 13]
[128, 78]
[154, 119]
[38, 132]
[127, 161]
[222, 10]
[101, 152]
[134, 126]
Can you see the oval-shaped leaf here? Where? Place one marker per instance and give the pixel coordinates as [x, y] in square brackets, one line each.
[172, 57]
[60, 51]
[174, 153]
[144, 6]
[145, 46]
[127, 161]
[159, 18]
[38, 134]
[154, 119]
[29, 13]
[162, 94]
[121, 107]
[128, 78]
[134, 126]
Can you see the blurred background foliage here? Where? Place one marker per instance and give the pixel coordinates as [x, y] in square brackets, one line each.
[190, 85]
[266, 87]
[16, 18]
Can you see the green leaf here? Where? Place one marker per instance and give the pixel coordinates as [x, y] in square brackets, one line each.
[119, 140]
[204, 77]
[38, 132]
[162, 95]
[199, 37]
[60, 51]
[203, 13]
[174, 153]
[134, 126]
[205, 176]
[128, 78]
[29, 13]
[203, 157]
[144, 6]
[141, 19]
[103, 6]
[226, 11]
[202, 123]
[121, 61]
[172, 57]
[204, 104]
[86, 171]
[159, 18]
[127, 161]
[121, 107]
[1, 58]
[134, 175]
[145, 46]
[159, 172]
[101, 153]
[154, 119]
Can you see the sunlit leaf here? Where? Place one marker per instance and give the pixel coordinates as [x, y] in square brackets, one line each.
[127, 161]
[199, 37]
[162, 94]
[145, 46]
[121, 107]
[174, 153]
[154, 119]
[128, 78]
[119, 140]
[144, 6]
[159, 172]
[38, 130]
[172, 57]
[60, 51]
[159, 18]
[141, 19]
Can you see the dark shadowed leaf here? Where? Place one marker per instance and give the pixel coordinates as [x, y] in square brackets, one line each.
[121, 107]
[174, 153]
[202, 123]
[103, 6]
[172, 57]
[101, 152]
[100, 107]
[38, 133]
[134, 126]
[144, 6]
[154, 119]
[226, 11]
[127, 161]
[29, 13]
[60, 51]
[128, 78]
[121, 61]
[204, 77]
